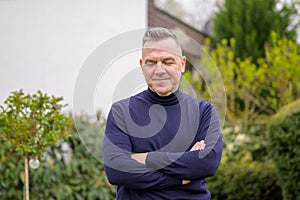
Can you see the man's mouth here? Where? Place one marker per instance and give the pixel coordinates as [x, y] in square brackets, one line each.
[160, 79]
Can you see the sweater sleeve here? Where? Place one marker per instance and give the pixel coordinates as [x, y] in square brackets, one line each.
[121, 169]
[193, 165]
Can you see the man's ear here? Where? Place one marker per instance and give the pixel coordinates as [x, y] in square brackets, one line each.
[183, 63]
[141, 62]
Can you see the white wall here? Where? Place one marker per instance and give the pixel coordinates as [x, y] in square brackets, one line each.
[43, 43]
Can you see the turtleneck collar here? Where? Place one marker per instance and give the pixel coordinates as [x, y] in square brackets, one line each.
[171, 99]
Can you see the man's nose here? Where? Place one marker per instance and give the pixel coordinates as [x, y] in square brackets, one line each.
[160, 67]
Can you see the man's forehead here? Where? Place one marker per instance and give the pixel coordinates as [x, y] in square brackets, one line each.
[158, 52]
[166, 46]
[166, 41]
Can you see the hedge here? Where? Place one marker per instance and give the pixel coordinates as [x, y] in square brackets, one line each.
[81, 177]
[244, 181]
[284, 138]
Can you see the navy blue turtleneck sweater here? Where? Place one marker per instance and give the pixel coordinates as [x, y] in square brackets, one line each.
[166, 127]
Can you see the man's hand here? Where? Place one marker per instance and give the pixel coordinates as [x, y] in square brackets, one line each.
[140, 157]
[198, 146]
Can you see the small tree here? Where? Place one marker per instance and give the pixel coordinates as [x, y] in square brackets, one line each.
[31, 123]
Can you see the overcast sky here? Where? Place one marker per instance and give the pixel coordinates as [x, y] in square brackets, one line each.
[43, 43]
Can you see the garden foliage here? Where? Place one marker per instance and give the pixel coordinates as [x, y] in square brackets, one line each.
[251, 24]
[31, 123]
[67, 171]
[284, 139]
[245, 181]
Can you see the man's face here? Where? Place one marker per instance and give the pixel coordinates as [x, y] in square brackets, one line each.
[162, 66]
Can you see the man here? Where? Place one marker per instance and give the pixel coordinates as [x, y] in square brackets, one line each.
[162, 143]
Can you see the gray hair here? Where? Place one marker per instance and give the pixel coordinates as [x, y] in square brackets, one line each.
[158, 33]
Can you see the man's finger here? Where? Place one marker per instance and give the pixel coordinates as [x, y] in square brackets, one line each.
[198, 146]
[201, 144]
[195, 147]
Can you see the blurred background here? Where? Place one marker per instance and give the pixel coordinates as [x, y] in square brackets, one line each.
[254, 44]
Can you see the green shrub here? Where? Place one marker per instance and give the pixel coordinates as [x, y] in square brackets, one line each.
[284, 136]
[244, 181]
[80, 177]
[12, 171]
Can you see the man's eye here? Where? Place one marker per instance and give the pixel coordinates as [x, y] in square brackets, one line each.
[150, 63]
[169, 63]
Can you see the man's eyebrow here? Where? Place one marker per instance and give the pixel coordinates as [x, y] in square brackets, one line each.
[163, 59]
[150, 59]
[168, 58]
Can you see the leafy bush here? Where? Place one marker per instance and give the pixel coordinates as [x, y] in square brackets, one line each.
[247, 181]
[64, 173]
[31, 123]
[254, 90]
[284, 135]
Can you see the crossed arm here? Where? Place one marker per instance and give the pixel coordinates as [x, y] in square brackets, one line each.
[141, 157]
